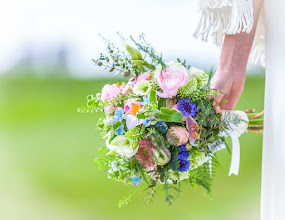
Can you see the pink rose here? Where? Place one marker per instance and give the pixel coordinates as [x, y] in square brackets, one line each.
[177, 136]
[144, 76]
[171, 79]
[110, 92]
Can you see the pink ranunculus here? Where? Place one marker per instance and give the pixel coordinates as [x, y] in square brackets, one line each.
[177, 136]
[171, 79]
[145, 154]
[110, 92]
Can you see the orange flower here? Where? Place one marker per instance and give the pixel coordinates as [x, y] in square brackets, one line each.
[121, 87]
[135, 108]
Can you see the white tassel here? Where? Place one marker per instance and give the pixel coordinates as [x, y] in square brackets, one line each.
[220, 17]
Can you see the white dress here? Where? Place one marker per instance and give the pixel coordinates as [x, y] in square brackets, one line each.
[273, 166]
[220, 17]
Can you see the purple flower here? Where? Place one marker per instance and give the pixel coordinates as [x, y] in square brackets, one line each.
[186, 107]
[182, 157]
[184, 165]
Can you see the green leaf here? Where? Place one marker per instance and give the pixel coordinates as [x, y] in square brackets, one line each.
[170, 115]
[117, 125]
[162, 103]
[101, 125]
[135, 53]
[153, 99]
[141, 116]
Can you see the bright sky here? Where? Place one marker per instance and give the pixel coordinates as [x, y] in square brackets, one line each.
[168, 24]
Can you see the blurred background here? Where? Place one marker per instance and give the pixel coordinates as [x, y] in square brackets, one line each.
[47, 148]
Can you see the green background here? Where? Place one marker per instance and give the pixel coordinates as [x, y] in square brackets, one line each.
[47, 152]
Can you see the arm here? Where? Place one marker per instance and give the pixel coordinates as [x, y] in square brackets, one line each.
[230, 75]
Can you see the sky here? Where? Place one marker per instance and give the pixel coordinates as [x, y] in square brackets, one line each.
[41, 25]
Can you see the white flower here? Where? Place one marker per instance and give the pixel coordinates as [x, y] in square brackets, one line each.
[199, 74]
[123, 146]
[180, 176]
[142, 88]
[198, 160]
[162, 156]
[172, 63]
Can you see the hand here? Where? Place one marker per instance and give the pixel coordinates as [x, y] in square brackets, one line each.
[231, 87]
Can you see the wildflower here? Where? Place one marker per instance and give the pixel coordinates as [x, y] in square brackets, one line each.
[147, 122]
[120, 130]
[119, 114]
[136, 180]
[186, 107]
[145, 100]
[162, 125]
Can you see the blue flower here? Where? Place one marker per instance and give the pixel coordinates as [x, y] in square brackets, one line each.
[136, 180]
[145, 100]
[119, 114]
[186, 107]
[182, 157]
[162, 125]
[184, 165]
[120, 130]
[111, 121]
[147, 122]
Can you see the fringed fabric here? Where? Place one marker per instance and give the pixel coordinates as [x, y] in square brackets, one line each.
[229, 17]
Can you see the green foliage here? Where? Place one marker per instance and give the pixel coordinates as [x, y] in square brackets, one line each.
[135, 54]
[162, 103]
[118, 60]
[170, 115]
[137, 133]
[153, 99]
[103, 162]
[128, 198]
[149, 50]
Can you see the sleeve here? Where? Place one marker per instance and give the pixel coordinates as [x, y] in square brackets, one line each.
[220, 17]
[230, 17]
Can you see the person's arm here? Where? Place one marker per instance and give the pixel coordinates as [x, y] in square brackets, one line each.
[230, 75]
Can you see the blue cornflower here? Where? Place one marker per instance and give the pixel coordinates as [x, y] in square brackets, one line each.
[147, 122]
[120, 130]
[119, 114]
[182, 157]
[184, 165]
[186, 107]
[136, 180]
[145, 100]
[162, 125]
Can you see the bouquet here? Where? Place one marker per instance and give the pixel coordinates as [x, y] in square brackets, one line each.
[161, 126]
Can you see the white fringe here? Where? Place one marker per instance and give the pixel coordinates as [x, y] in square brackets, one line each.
[220, 17]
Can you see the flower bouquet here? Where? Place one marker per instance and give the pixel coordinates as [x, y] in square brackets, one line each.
[161, 126]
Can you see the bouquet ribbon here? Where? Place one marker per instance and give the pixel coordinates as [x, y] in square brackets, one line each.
[234, 131]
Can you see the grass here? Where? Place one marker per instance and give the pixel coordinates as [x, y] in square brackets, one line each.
[47, 160]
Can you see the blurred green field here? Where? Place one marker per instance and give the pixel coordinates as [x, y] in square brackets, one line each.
[47, 165]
